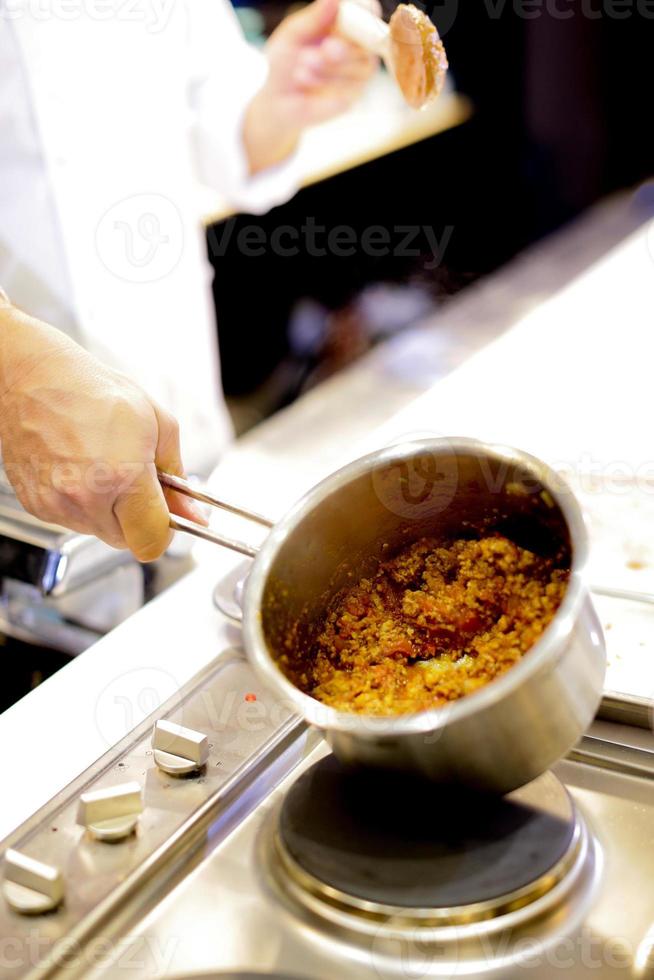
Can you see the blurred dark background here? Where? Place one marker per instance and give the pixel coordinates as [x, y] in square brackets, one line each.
[562, 116]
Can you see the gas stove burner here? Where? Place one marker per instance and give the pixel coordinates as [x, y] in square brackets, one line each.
[371, 859]
[362, 840]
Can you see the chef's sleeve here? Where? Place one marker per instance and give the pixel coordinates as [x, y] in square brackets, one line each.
[225, 73]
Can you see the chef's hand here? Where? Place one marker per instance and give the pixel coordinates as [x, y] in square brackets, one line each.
[313, 75]
[80, 442]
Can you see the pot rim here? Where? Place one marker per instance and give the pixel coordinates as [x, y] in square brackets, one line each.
[547, 648]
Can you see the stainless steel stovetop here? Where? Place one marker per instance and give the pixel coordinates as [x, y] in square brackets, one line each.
[236, 911]
[240, 858]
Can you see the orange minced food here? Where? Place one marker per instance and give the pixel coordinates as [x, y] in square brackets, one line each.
[435, 623]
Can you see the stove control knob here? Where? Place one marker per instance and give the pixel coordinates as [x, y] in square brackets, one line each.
[179, 750]
[111, 813]
[30, 886]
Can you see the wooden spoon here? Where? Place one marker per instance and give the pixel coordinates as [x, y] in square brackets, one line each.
[409, 45]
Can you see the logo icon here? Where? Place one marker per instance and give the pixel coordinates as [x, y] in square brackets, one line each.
[141, 238]
[129, 698]
[413, 486]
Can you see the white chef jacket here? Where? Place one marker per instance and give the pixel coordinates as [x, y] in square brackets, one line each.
[111, 114]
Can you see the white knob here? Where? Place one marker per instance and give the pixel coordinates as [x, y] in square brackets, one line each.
[30, 886]
[178, 750]
[111, 813]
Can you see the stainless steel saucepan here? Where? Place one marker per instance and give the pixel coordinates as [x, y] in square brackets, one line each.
[504, 734]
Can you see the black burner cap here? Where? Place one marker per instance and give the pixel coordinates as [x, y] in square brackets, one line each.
[397, 841]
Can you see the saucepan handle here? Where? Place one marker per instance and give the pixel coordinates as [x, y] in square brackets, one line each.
[182, 486]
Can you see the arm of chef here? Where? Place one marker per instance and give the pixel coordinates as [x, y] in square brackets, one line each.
[81, 443]
[226, 73]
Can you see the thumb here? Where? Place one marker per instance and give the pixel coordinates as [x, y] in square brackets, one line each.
[314, 22]
[168, 458]
[142, 513]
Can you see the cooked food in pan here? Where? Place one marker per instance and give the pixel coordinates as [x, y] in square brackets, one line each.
[436, 622]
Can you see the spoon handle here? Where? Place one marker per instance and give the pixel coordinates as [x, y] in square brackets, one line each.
[362, 27]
